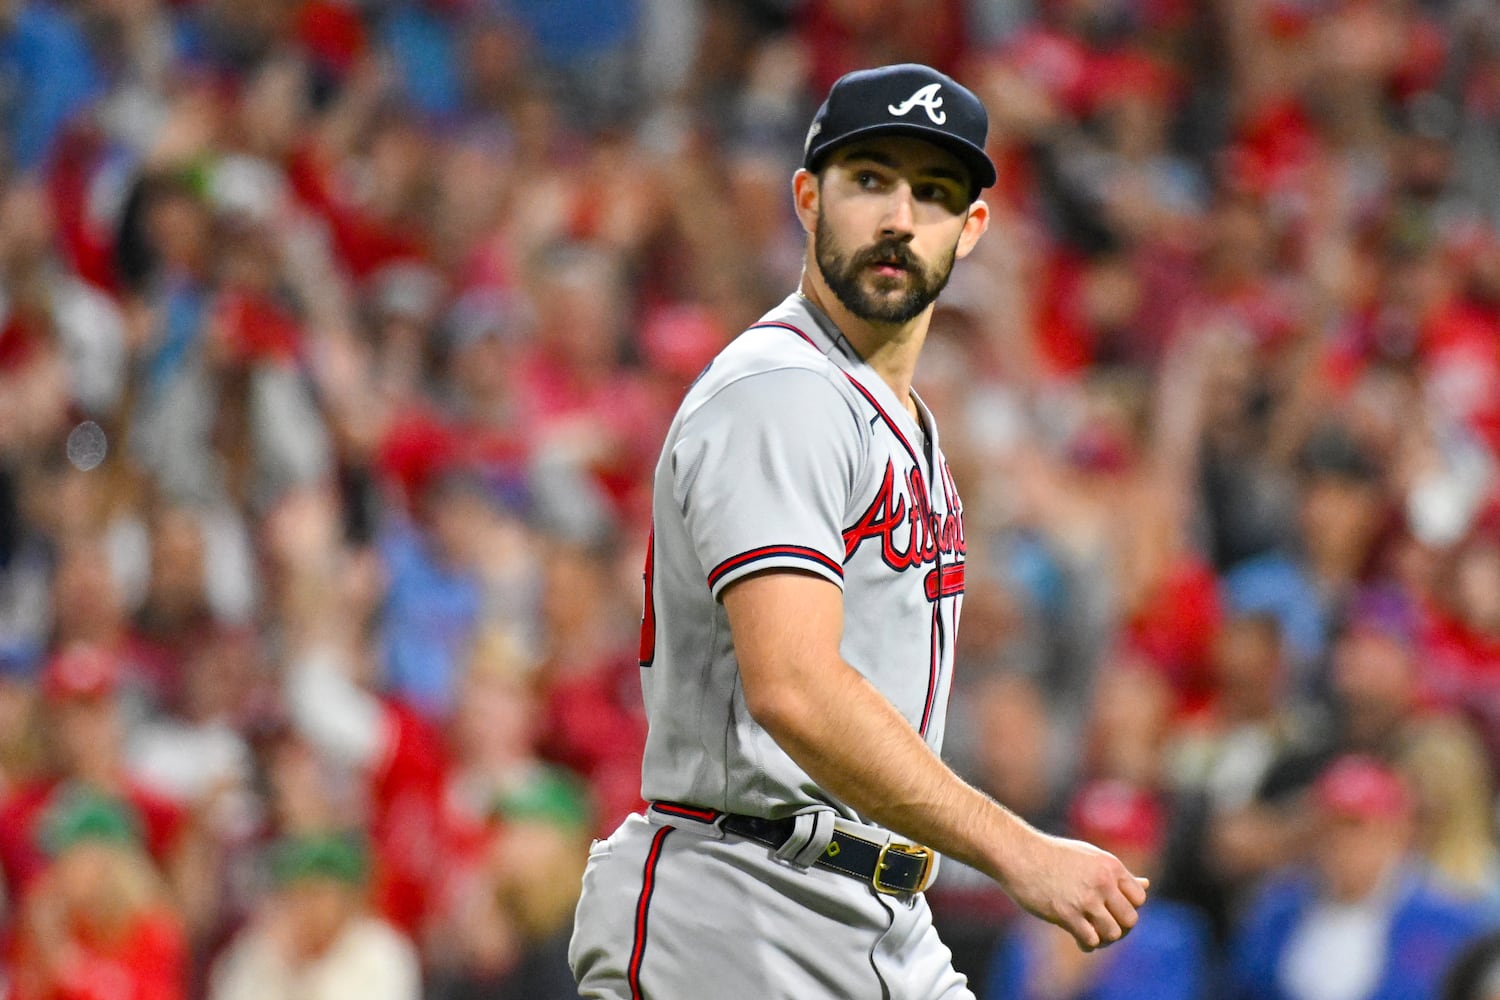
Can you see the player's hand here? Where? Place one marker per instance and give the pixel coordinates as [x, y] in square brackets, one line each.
[1080, 888]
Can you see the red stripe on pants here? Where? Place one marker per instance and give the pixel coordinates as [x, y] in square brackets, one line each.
[642, 907]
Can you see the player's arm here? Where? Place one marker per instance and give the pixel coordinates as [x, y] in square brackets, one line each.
[851, 740]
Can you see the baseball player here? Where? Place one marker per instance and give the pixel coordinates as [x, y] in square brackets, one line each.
[803, 584]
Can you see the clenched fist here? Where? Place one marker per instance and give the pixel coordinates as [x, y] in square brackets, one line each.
[1080, 888]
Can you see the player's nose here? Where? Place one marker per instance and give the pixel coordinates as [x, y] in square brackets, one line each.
[899, 219]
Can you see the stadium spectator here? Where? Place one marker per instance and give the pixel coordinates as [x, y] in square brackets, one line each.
[85, 726]
[388, 758]
[1445, 766]
[529, 885]
[1458, 641]
[494, 753]
[1362, 922]
[99, 920]
[1127, 727]
[314, 938]
[1217, 764]
[593, 720]
[434, 595]
[197, 757]
[1339, 516]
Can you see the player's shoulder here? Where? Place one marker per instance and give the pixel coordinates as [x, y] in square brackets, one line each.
[772, 357]
[764, 351]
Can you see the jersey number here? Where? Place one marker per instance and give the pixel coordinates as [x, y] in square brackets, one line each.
[648, 614]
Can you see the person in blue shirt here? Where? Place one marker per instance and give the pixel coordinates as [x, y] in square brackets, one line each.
[1362, 921]
[436, 594]
[48, 76]
[1307, 583]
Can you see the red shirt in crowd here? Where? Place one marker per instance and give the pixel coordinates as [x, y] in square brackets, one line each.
[23, 813]
[363, 242]
[148, 962]
[406, 829]
[593, 729]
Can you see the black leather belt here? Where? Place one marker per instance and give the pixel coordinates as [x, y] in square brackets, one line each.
[888, 867]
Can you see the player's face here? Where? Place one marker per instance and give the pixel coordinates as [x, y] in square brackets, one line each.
[891, 215]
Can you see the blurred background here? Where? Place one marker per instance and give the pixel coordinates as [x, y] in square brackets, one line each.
[337, 340]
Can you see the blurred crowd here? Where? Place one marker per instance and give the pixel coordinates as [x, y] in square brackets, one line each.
[337, 338]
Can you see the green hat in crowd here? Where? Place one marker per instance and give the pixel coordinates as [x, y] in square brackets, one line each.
[82, 814]
[548, 795]
[335, 856]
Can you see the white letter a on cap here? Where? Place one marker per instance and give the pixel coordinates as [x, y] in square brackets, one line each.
[927, 99]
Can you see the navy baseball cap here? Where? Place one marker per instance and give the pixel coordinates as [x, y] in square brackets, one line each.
[906, 99]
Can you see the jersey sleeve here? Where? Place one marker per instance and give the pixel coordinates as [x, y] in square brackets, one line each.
[763, 471]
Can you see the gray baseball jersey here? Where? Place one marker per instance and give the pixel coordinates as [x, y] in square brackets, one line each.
[790, 451]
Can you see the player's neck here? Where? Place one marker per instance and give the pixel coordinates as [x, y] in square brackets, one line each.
[889, 348]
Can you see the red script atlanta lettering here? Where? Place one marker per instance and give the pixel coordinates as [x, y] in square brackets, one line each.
[909, 513]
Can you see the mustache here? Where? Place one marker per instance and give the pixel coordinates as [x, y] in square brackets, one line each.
[891, 251]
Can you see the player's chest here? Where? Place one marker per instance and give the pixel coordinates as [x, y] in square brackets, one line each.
[904, 528]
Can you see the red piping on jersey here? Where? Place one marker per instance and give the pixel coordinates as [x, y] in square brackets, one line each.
[648, 886]
[934, 668]
[687, 812]
[769, 552]
[944, 581]
[869, 396]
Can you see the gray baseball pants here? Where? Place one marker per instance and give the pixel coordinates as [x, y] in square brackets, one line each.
[678, 910]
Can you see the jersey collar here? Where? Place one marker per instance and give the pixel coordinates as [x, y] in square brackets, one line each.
[798, 311]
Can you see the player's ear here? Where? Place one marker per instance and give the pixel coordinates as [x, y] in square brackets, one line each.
[805, 198]
[975, 224]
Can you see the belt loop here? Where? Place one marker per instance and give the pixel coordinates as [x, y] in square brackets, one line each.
[810, 837]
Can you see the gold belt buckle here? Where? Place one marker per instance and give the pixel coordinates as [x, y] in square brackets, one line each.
[925, 853]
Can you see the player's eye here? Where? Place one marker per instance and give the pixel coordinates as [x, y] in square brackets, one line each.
[867, 179]
[937, 193]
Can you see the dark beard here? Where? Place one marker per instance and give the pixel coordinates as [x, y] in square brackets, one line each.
[844, 272]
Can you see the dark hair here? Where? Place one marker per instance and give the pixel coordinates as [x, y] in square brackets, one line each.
[1332, 451]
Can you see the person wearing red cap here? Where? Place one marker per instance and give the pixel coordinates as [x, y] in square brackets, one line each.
[1361, 922]
[1166, 956]
[82, 719]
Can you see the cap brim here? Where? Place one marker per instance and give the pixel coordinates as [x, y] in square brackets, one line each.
[981, 169]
